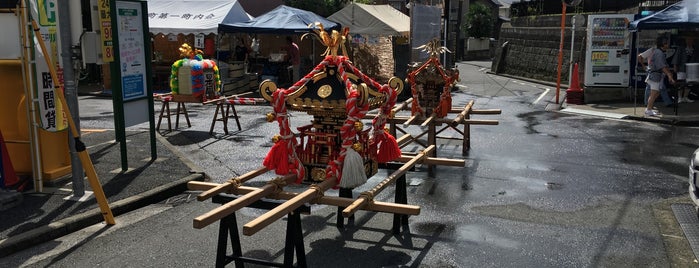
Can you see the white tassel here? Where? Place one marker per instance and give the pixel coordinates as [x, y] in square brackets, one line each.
[353, 173]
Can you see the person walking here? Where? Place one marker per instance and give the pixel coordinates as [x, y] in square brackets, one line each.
[657, 67]
[293, 57]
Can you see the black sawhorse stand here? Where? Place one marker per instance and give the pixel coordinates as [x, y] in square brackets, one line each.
[401, 197]
[347, 193]
[228, 228]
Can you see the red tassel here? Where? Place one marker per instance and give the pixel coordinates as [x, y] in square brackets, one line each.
[388, 148]
[444, 107]
[278, 158]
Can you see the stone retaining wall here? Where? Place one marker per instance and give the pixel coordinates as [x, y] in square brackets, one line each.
[533, 44]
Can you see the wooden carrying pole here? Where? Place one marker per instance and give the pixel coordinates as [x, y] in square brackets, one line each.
[287, 207]
[410, 120]
[451, 122]
[241, 202]
[480, 111]
[366, 197]
[404, 139]
[325, 200]
[455, 122]
[79, 145]
[402, 106]
[429, 120]
[462, 115]
[433, 161]
[232, 183]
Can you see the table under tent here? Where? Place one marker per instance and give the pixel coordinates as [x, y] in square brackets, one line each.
[270, 31]
[175, 22]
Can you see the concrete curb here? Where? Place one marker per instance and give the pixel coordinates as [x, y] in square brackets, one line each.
[191, 165]
[77, 222]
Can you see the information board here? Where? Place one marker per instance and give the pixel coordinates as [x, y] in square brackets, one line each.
[132, 54]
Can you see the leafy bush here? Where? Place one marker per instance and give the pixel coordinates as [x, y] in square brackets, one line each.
[479, 21]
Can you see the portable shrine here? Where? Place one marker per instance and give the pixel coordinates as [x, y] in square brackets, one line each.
[194, 79]
[336, 143]
[194, 76]
[431, 105]
[335, 151]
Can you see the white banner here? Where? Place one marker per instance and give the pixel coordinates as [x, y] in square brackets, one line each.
[51, 114]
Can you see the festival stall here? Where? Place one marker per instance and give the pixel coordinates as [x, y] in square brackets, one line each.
[366, 19]
[175, 22]
[368, 24]
[682, 18]
[270, 30]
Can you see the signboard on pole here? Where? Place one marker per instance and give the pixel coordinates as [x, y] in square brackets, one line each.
[131, 51]
[132, 94]
[425, 25]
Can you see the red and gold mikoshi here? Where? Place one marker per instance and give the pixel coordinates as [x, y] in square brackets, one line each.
[335, 145]
[425, 81]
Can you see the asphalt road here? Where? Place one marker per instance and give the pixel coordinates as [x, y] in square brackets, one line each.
[541, 189]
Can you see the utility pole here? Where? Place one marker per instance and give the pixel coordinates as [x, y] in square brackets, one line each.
[459, 45]
[70, 91]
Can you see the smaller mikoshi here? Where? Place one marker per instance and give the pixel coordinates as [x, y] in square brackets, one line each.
[193, 75]
[431, 104]
[431, 84]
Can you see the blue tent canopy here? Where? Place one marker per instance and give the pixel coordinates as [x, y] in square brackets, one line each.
[281, 20]
[683, 14]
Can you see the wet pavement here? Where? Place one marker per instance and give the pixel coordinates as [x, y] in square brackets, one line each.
[542, 188]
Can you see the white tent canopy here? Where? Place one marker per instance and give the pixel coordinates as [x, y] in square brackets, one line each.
[192, 16]
[372, 19]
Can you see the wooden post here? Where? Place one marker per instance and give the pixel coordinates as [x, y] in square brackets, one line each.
[432, 141]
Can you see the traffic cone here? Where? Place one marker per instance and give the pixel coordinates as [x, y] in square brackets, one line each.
[574, 94]
[8, 177]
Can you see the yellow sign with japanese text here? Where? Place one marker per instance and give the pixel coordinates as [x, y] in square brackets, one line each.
[105, 21]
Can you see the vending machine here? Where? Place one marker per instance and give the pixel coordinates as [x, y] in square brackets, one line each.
[608, 54]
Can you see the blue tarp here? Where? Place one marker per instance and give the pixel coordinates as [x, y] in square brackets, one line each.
[281, 20]
[683, 14]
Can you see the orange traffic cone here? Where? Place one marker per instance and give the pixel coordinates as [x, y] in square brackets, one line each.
[574, 94]
[8, 177]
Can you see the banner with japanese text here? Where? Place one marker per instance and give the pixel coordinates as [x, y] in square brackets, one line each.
[51, 114]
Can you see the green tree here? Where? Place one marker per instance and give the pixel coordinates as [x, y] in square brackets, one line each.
[323, 8]
[479, 21]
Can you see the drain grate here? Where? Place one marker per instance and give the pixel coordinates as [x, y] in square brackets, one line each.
[685, 213]
[686, 216]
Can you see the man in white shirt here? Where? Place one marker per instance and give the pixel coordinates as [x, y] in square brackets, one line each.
[654, 61]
